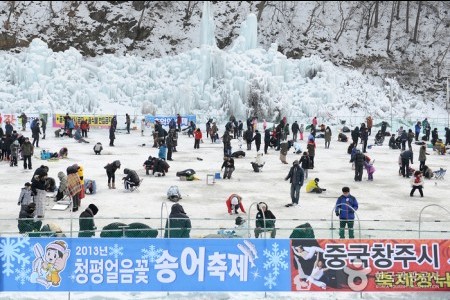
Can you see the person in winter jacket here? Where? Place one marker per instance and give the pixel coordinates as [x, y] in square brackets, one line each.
[26, 223]
[369, 122]
[313, 186]
[345, 208]
[370, 169]
[364, 137]
[257, 140]
[62, 189]
[197, 138]
[248, 137]
[417, 129]
[78, 136]
[25, 197]
[162, 151]
[98, 148]
[178, 225]
[14, 153]
[228, 164]
[266, 140]
[296, 178]
[86, 221]
[24, 119]
[305, 163]
[359, 159]
[234, 203]
[403, 139]
[226, 140]
[265, 221]
[417, 183]
[406, 156]
[172, 138]
[214, 132]
[327, 136]
[84, 127]
[286, 131]
[284, 149]
[295, 128]
[300, 131]
[38, 191]
[410, 139]
[35, 132]
[179, 121]
[112, 136]
[111, 169]
[131, 180]
[74, 186]
[355, 135]
[434, 136]
[311, 147]
[128, 122]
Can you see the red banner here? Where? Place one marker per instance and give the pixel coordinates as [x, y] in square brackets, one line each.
[370, 265]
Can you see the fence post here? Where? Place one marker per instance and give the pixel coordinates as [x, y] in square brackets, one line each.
[164, 204]
[421, 211]
[249, 210]
[354, 211]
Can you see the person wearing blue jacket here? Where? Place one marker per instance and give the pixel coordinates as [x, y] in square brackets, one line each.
[417, 128]
[345, 208]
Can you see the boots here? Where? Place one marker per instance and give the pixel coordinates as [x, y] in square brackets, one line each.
[109, 185]
[113, 186]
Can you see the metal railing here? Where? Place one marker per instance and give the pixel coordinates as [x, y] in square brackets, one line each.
[423, 227]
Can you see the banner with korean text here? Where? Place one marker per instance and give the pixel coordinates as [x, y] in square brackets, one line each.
[95, 121]
[106, 264]
[165, 120]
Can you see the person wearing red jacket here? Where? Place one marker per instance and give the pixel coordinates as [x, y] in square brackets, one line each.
[197, 138]
[179, 122]
[234, 202]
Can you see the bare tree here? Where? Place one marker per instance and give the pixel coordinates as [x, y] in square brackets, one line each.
[344, 19]
[397, 16]
[407, 16]
[440, 59]
[7, 23]
[390, 27]
[370, 17]
[377, 6]
[188, 12]
[312, 17]
[416, 28]
[260, 6]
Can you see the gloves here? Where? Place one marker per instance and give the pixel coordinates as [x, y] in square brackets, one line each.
[337, 214]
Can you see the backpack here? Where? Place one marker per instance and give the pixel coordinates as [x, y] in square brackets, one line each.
[173, 194]
[33, 124]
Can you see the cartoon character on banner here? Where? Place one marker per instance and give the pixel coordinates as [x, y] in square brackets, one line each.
[48, 265]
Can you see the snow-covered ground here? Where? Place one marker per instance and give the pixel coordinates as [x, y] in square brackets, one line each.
[386, 198]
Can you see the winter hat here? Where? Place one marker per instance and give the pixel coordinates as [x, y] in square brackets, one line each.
[27, 184]
[295, 162]
[16, 142]
[93, 208]
[345, 189]
[316, 179]
[234, 201]
[239, 221]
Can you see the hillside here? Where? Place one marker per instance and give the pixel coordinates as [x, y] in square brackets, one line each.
[378, 38]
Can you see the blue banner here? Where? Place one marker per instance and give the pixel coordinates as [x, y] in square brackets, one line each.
[107, 264]
[165, 120]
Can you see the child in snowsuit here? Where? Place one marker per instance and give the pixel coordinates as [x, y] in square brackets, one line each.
[25, 197]
[370, 170]
[417, 183]
[98, 148]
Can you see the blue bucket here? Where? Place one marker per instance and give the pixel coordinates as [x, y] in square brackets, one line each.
[217, 175]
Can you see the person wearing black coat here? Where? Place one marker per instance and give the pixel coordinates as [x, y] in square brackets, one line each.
[110, 172]
[295, 128]
[35, 132]
[248, 137]
[305, 163]
[266, 140]
[355, 135]
[228, 164]
[265, 221]
[257, 139]
[364, 138]
[434, 136]
[26, 222]
[112, 135]
[131, 180]
[406, 157]
[359, 165]
[86, 221]
[296, 178]
[178, 225]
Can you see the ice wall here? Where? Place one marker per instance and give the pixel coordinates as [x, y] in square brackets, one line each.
[207, 25]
